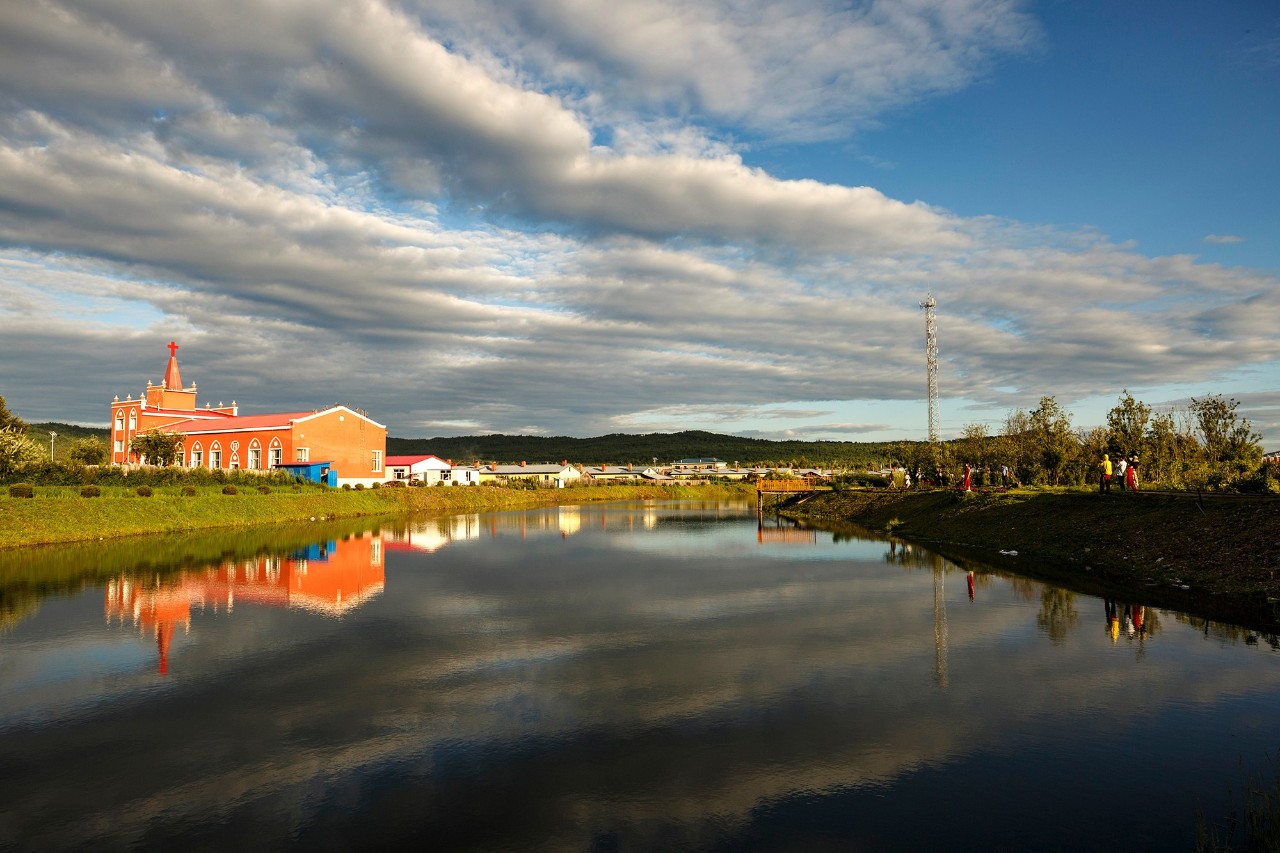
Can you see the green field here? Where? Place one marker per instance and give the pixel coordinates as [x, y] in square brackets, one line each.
[59, 513]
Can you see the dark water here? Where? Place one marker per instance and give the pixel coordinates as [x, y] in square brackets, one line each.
[621, 677]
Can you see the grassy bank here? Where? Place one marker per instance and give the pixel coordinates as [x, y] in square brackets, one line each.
[58, 514]
[1219, 556]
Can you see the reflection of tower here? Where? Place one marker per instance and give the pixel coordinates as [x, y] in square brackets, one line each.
[939, 628]
[931, 361]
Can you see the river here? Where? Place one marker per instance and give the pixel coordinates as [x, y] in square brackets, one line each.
[647, 676]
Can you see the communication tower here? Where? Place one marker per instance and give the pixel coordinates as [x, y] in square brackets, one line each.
[931, 359]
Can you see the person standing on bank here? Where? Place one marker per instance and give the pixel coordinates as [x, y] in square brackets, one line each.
[1004, 476]
[968, 477]
[1104, 482]
[1121, 465]
[1131, 473]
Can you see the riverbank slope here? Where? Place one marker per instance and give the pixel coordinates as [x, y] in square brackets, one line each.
[60, 514]
[1221, 553]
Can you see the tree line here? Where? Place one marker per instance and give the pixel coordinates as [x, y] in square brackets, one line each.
[1207, 446]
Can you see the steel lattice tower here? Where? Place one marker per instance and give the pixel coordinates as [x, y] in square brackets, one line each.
[931, 359]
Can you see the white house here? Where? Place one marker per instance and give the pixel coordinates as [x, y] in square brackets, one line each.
[550, 475]
[425, 468]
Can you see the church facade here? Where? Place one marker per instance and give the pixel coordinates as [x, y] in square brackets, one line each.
[347, 446]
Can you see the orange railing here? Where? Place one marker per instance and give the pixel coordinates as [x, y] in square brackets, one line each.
[787, 485]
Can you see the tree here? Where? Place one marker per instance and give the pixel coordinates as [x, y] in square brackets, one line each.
[1230, 446]
[1014, 447]
[1165, 450]
[158, 447]
[88, 451]
[9, 419]
[1055, 445]
[1127, 423]
[18, 451]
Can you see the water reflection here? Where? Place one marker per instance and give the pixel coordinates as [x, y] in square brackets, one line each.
[330, 577]
[643, 676]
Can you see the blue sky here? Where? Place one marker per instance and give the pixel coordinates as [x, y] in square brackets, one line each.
[579, 217]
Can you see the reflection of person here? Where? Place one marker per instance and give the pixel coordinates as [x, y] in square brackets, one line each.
[968, 478]
[1113, 620]
[1104, 481]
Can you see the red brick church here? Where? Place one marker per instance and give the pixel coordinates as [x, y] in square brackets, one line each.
[347, 446]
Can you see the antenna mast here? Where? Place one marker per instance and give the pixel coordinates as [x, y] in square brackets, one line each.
[931, 359]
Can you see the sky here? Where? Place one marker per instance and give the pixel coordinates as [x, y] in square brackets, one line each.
[578, 217]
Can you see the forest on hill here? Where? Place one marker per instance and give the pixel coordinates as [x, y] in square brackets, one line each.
[621, 448]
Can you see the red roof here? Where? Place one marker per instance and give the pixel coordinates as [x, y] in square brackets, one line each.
[280, 420]
[410, 460]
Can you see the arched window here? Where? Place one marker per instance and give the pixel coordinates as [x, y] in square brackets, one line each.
[197, 455]
[133, 421]
[255, 454]
[215, 455]
[276, 454]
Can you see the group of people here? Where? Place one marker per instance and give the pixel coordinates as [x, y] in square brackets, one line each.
[1125, 469]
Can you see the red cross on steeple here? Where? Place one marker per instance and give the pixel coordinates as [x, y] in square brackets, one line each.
[172, 380]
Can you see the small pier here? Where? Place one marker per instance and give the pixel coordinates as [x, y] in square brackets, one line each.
[806, 487]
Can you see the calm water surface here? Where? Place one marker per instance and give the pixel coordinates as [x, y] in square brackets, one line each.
[661, 676]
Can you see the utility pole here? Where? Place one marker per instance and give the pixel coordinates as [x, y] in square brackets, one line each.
[52, 436]
[931, 360]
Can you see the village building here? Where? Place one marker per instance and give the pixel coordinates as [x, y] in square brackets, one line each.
[613, 473]
[423, 468]
[336, 445]
[557, 476]
[703, 466]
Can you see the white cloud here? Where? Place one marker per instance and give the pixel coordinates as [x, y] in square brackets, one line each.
[330, 202]
[1223, 239]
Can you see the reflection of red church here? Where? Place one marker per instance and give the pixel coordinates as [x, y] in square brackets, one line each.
[329, 577]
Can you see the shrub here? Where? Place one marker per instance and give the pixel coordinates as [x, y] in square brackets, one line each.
[22, 490]
[229, 490]
[91, 492]
[264, 490]
[346, 487]
[391, 484]
[188, 491]
[374, 486]
[359, 487]
[144, 491]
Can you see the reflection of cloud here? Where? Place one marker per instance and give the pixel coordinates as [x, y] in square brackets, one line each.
[593, 680]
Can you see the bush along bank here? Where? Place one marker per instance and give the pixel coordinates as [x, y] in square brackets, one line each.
[1217, 556]
[54, 514]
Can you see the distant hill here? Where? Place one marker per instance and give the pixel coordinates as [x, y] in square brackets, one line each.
[621, 448]
[613, 449]
[67, 435]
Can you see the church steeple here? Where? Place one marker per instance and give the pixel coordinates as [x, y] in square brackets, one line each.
[172, 379]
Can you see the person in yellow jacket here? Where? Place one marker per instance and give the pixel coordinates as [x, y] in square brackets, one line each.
[1104, 483]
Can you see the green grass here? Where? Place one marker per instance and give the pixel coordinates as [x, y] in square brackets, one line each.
[60, 514]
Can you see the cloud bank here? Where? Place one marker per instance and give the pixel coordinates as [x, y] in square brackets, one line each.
[468, 217]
